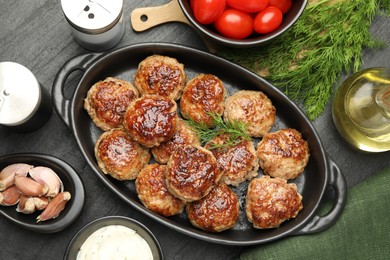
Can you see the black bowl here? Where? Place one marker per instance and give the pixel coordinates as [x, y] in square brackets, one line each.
[69, 178]
[78, 240]
[207, 32]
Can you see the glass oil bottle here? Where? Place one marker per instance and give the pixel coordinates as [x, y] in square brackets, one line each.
[361, 109]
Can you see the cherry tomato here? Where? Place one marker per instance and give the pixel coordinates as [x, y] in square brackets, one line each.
[268, 20]
[207, 11]
[283, 5]
[234, 24]
[249, 6]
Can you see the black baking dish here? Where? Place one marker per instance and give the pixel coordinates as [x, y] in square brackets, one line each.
[320, 173]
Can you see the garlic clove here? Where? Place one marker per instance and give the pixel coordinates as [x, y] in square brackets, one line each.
[41, 202]
[7, 175]
[26, 205]
[10, 196]
[45, 175]
[30, 187]
[55, 206]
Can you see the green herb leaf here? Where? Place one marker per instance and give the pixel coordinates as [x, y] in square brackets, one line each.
[308, 59]
[236, 131]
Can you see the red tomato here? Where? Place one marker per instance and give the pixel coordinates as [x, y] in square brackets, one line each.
[268, 20]
[283, 5]
[234, 24]
[207, 11]
[249, 6]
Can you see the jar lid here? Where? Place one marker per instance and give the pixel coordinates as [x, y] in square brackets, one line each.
[92, 16]
[20, 94]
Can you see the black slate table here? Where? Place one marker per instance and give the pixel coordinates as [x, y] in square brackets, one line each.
[36, 35]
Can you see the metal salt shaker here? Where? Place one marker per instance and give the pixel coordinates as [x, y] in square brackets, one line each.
[24, 105]
[97, 25]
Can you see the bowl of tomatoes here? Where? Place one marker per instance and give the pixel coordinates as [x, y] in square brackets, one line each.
[242, 23]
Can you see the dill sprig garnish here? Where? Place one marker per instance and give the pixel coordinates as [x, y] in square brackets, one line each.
[234, 130]
[326, 42]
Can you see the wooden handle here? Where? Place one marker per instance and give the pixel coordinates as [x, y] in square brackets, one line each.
[148, 17]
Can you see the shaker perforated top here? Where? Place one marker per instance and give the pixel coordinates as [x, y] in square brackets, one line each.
[92, 16]
[20, 94]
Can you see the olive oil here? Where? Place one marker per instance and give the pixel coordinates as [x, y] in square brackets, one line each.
[361, 109]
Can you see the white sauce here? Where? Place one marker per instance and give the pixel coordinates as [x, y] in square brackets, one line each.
[114, 242]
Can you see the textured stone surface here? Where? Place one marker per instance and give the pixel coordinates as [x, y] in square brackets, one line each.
[36, 34]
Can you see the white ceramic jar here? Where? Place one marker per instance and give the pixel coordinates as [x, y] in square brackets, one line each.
[96, 25]
[24, 105]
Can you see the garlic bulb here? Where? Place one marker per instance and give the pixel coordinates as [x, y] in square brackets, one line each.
[45, 175]
[7, 175]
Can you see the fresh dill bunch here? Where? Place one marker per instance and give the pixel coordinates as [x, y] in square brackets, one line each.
[235, 130]
[310, 58]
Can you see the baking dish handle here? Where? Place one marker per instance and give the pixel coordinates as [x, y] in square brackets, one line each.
[320, 223]
[60, 102]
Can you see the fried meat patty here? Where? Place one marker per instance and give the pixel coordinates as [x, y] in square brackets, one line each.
[253, 108]
[153, 193]
[119, 156]
[151, 120]
[192, 172]
[202, 95]
[160, 75]
[217, 211]
[238, 162]
[271, 201]
[283, 154]
[184, 135]
[107, 101]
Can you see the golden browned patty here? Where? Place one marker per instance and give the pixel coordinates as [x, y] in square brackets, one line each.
[184, 135]
[151, 120]
[107, 101]
[160, 75]
[119, 156]
[283, 154]
[153, 193]
[271, 201]
[192, 173]
[253, 108]
[238, 162]
[217, 211]
[202, 95]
